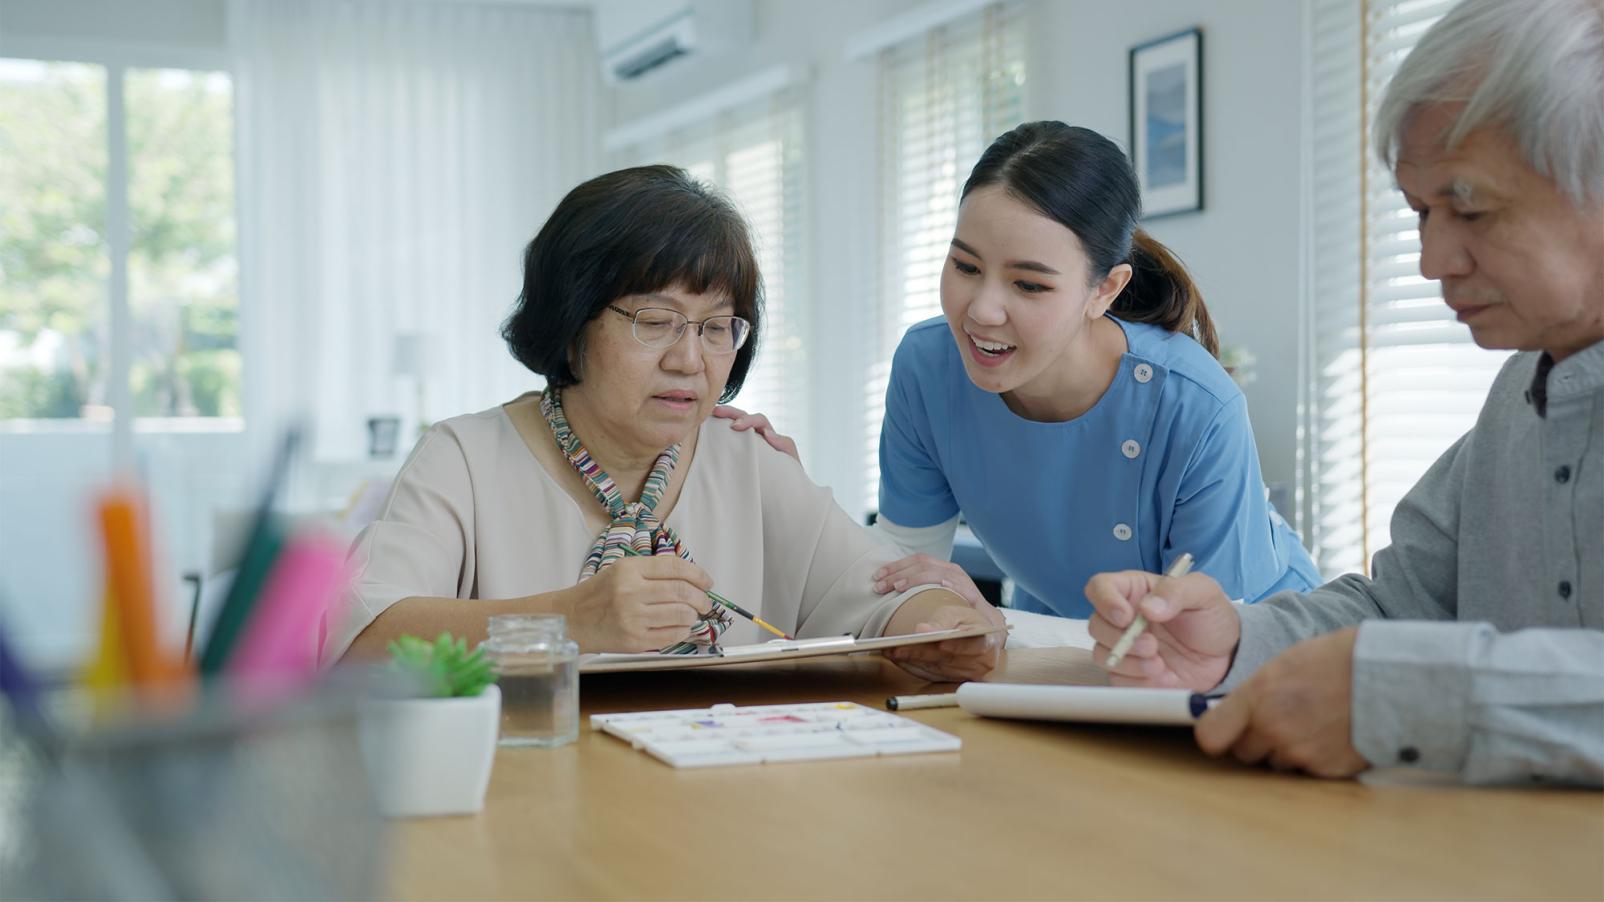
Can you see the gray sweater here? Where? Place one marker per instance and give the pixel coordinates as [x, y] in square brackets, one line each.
[1481, 635]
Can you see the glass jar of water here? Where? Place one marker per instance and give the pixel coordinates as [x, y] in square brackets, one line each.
[538, 669]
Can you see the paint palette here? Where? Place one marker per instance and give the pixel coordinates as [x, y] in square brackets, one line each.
[766, 734]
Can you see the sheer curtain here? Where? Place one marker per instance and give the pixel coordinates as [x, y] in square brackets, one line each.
[395, 156]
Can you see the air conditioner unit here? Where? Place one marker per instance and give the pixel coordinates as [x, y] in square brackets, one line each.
[635, 37]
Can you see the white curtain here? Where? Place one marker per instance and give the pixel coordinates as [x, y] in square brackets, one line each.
[395, 157]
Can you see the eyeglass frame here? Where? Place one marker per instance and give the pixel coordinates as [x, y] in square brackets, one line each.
[701, 327]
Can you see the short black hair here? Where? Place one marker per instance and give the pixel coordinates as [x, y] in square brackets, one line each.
[634, 231]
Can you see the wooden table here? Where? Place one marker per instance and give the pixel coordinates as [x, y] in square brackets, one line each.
[1026, 810]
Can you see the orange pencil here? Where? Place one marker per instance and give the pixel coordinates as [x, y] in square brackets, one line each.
[128, 573]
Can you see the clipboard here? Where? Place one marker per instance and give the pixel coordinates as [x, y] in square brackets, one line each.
[774, 650]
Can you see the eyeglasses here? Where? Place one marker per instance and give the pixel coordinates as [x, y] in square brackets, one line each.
[660, 327]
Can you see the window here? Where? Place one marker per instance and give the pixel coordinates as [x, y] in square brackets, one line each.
[944, 97]
[753, 152]
[1396, 380]
[117, 264]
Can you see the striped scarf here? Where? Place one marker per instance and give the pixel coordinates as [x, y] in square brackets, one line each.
[635, 526]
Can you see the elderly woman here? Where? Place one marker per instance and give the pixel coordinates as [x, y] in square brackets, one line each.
[609, 497]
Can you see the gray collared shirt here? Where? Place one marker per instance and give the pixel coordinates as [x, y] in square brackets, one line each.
[1504, 539]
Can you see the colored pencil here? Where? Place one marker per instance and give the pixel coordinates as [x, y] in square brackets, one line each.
[256, 561]
[132, 591]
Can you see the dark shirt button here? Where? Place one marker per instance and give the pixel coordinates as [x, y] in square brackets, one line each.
[1565, 588]
[1562, 475]
[1409, 754]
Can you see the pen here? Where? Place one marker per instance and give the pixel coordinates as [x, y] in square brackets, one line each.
[910, 702]
[719, 599]
[1177, 570]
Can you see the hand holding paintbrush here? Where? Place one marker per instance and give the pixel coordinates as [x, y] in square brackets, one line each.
[727, 604]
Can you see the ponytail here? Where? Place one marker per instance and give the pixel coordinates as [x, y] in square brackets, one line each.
[1162, 292]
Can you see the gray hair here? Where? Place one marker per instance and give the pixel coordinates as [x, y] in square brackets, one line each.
[1532, 67]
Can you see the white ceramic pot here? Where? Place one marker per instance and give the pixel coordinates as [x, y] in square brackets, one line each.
[430, 756]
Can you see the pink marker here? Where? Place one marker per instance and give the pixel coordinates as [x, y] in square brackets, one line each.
[279, 650]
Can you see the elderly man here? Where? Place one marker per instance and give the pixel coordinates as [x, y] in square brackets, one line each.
[1477, 648]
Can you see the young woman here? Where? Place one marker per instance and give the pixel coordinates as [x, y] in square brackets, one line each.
[1068, 404]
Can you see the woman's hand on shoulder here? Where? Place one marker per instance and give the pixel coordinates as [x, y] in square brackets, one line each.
[638, 604]
[954, 660]
[742, 421]
[924, 570]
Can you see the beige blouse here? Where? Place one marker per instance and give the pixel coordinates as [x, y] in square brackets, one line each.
[473, 514]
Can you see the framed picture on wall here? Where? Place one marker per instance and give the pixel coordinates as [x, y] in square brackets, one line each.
[1166, 97]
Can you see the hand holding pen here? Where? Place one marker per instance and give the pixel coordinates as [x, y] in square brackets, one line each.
[1183, 630]
[1179, 568]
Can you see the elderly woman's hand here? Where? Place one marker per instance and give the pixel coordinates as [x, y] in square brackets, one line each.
[638, 604]
[742, 421]
[951, 660]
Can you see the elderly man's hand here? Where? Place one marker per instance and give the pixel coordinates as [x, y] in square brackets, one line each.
[1191, 635]
[1295, 713]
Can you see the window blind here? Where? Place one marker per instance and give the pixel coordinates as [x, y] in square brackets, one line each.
[1396, 379]
[944, 97]
[754, 153]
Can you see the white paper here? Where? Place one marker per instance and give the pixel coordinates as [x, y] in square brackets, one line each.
[1092, 704]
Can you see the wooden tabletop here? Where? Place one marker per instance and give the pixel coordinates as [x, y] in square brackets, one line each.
[1025, 810]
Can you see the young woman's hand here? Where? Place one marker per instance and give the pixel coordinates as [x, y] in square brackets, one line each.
[638, 604]
[1191, 635]
[922, 569]
[743, 421]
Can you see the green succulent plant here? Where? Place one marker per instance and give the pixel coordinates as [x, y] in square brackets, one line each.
[444, 668]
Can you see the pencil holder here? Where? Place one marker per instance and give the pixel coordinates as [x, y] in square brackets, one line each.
[222, 803]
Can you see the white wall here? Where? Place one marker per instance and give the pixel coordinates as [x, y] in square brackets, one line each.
[1243, 247]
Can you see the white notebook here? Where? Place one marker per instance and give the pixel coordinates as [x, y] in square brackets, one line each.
[766, 734]
[1092, 704]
